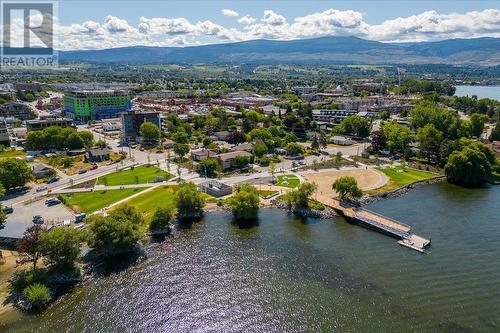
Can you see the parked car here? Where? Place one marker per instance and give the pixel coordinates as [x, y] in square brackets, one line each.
[82, 170]
[38, 219]
[8, 210]
[93, 167]
[41, 188]
[52, 202]
[52, 180]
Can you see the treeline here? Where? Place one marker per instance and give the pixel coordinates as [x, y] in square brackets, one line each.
[56, 137]
[415, 85]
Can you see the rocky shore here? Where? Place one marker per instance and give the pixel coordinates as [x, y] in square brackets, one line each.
[399, 191]
[326, 213]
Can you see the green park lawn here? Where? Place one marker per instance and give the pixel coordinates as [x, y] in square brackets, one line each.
[12, 153]
[139, 175]
[161, 196]
[288, 181]
[399, 176]
[88, 202]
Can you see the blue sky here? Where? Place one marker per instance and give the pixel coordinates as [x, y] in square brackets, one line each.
[95, 24]
[374, 11]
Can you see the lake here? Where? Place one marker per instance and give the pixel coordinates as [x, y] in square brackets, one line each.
[292, 275]
[492, 92]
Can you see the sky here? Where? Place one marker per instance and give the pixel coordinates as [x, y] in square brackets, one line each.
[97, 24]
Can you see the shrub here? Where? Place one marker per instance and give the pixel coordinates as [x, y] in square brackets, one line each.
[37, 295]
[23, 279]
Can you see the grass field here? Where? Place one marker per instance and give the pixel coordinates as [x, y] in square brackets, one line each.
[162, 196]
[138, 175]
[288, 181]
[88, 202]
[267, 193]
[12, 153]
[399, 176]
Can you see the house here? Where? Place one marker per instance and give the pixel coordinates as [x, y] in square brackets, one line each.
[220, 136]
[248, 147]
[201, 154]
[42, 171]
[167, 143]
[227, 160]
[97, 155]
[341, 140]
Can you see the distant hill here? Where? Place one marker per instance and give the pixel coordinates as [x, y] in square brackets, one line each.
[336, 50]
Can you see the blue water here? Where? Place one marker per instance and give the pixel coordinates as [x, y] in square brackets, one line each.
[492, 92]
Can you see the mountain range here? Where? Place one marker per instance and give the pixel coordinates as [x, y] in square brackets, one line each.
[322, 50]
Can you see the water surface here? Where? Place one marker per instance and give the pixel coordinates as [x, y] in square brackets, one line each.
[480, 91]
[290, 275]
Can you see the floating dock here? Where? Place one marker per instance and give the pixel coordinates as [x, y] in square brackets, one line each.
[379, 223]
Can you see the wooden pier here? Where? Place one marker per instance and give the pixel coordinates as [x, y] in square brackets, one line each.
[379, 223]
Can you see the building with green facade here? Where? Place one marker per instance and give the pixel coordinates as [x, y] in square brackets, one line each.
[85, 105]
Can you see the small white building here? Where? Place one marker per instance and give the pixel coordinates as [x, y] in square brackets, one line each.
[341, 140]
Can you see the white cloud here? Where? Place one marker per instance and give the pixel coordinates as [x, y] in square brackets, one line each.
[430, 25]
[229, 12]
[247, 20]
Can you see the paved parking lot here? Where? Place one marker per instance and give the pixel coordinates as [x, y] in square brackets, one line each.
[23, 214]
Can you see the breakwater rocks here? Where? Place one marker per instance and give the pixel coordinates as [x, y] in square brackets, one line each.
[399, 191]
[326, 213]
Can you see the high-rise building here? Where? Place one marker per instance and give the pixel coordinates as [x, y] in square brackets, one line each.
[85, 105]
[132, 121]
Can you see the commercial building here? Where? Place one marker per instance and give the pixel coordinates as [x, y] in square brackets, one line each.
[16, 110]
[85, 105]
[40, 124]
[4, 134]
[215, 188]
[228, 160]
[132, 120]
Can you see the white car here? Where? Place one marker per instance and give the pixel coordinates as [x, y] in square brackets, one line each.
[41, 188]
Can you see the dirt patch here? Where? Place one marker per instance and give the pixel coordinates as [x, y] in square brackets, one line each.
[367, 179]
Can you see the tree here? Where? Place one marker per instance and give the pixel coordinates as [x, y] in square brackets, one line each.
[354, 125]
[181, 149]
[37, 295]
[315, 143]
[398, 137]
[495, 134]
[206, 141]
[74, 141]
[245, 202]
[338, 159]
[87, 138]
[117, 233]
[347, 188]
[161, 219]
[29, 246]
[272, 169]
[294, 149]
[468, 167]
[430, 141]
[378, 140]
[208, 167]
[477, 123]
[190, 201]
[14, 173]
[260, 149]
[149, 132]
[236, 137]
[60, 246]
[241, 162]
[100, 144]
[300, 196]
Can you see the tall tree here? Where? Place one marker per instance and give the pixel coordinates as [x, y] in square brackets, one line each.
[150, 132]
[14, 173]
[61, 246]
[245, 202]
[430, 141]
[190, 201]
[29, 246]
[477, 123]
[347, 188]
